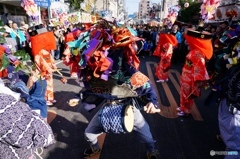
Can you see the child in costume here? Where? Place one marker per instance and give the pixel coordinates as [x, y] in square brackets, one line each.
[42, 44]
[194, 73]
[164, 50]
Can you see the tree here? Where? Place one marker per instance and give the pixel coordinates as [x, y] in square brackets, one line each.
[190, 14]
[75, 4]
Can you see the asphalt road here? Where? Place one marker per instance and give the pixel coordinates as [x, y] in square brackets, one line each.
[191, 137]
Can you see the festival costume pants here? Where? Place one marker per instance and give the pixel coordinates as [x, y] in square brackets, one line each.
[229, 125]
[141, 129]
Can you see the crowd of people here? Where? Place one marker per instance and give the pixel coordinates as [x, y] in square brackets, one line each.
[208, 54]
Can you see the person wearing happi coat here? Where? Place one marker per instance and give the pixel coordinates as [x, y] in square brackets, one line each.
[194, 73]
[164, 51]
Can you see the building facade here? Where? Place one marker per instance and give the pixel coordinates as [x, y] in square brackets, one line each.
[143, 9]
[114, 7]
[161, 9]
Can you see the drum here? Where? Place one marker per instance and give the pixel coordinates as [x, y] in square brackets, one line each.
[116, 118]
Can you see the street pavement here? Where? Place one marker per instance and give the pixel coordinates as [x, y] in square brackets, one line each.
[191, 137]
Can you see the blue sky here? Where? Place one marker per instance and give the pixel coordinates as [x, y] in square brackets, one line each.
[132, 5]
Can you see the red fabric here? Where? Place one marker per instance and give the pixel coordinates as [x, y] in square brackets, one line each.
[164, 39]
[88, 26]
[203, 45]
[2, 50]
[191, 76]
[76, 33]
[3, 73]
[165, 62]
[44, 41]
[167, 38]
[100, 63]
[69, 37]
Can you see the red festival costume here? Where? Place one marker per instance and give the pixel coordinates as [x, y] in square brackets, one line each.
[164, 50]
[69, 59]
[194, 72]
[42, 44]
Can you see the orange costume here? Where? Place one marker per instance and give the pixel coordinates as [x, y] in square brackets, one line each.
[41, 45]
[164, 50]
[194, 72]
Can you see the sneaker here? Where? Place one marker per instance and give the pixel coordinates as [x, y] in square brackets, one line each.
[153, 155]
[160, 81]
[53, 101]
[74, 75]
[182, 113]
[178, 109]
[90, 152]
[49, 103]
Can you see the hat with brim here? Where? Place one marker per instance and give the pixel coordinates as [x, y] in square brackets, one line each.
[200, 41]
[199, 35]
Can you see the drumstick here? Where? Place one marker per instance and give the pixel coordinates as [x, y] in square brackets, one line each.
[192, 92]
[59, 72]
[64, 80]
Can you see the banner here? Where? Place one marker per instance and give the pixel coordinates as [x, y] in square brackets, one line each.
[86, 18]
[73, 18]
[58, 9]
[223, 12]
[43, 3]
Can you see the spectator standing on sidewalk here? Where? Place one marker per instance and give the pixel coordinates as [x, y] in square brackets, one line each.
[177, 52]
[18, 35]
[58, 35]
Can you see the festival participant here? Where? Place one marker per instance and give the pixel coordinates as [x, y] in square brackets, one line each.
[37, 86]
[114, 75]
[194, 73]
[164, 51]
[42, 44]
[24, 131]
[72, 55]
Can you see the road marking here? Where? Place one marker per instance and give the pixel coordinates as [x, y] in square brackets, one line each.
[101, 139]
[51, 116]
[58, 62]
[170, 111]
